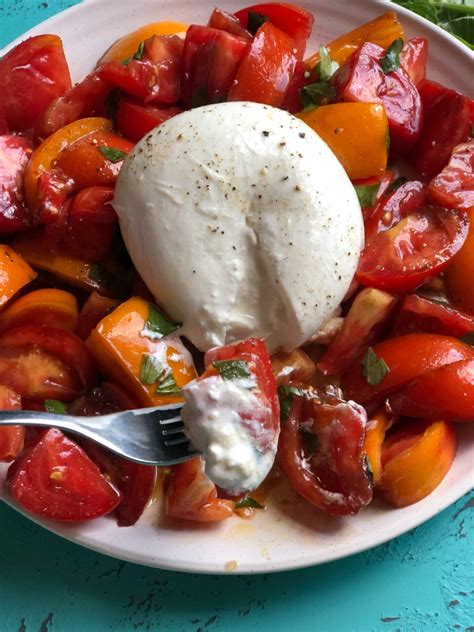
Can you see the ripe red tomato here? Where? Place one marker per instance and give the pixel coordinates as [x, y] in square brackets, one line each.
[54, 188]
[15, 152]
[420, 314]
[418, 248]
[54, 478]
[32, 75]
[413, 58]
[445, 393]
[228, 22]
[12, 438]
[362, 79]
[265, 74]
[134, 119]
[93, 311]
[454, 186]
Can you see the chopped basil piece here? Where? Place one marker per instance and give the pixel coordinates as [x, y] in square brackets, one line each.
[112, 103]
[374, 369]
[368, 469]
[248, 501]
[167, 384]
[326, 67]
[255, 21]
[396, 184]
[391, 60]
[54, 406]
[154, 371]
[468, 338]
[317, 94]
[233, 369]
[112, 154]
[367, 194]
[138, 54]
[100, 276]
[157, 326]
[286, 395]
[309, 440]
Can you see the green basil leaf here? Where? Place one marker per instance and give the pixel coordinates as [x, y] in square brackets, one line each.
[310, 441]
[374, 369]
[248, 501]
[326, 67]
[138, 54]
[54, 406]
[391, 60]
[157, 326]
[100, 276]
[255, 21]
[286, 394]
[468, 338]
[233, 369]
[318, 93]
[367, 194]
[396, 184]
[112, 154]
[167, 384]
[154, 371]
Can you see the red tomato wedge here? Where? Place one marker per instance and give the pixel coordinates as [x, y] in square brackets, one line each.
[418, 248]
[362, 79]
[454, 186]
[228, 22]
[406, 357]
[210, 61]
[292, 20]
[15, 152]
[190, 495]
[446, 393]
[413, 58]
[12, 438]
[54, 478]
[447, 124]
[421, 314]
[134, 119]
[32, 75]
[53, 190]
[265, 74]
[93, 311]
[334, 478]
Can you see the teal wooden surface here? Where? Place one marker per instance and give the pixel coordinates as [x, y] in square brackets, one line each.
[422, 581]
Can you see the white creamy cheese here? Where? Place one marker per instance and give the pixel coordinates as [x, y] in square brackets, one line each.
[242, 222]
[212, 415]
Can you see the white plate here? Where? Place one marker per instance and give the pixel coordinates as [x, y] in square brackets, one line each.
[289, 534]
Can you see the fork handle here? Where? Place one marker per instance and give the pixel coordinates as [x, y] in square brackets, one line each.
[35, 418]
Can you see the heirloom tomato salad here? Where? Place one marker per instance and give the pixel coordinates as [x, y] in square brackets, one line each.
[282, 241]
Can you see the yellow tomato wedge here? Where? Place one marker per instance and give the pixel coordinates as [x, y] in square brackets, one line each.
[52, 307]
[15, 273]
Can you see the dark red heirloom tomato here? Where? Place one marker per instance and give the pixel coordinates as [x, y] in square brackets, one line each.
[54, 478]
[54, 188]
[454, 186]
[446, 124]
[93, 311]
[418, 248]
[292, 20]
[12, 438]
[32, 75]
[15, 152]
[362, 79]
[421, 314]
[228, 22]
[134, 120]
[334, 478]
[445, 393]
[413, 58]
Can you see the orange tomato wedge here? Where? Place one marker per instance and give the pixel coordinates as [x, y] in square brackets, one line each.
[51, 307]
[15, 273]
[377, 426]
[460, 273]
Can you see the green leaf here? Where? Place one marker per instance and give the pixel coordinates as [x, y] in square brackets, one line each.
[248, 501]
[99, 275]
[367, 194]
[317, 93]
[462, 28]
[286, 394]
[167, 384]
[391, 60]
[468, 338]
[157, 326]
[138, 54]
[54, 406]
[112, 154]
[326, 67]
[154, 371]
[396, 184]
[233, 369]
[255, 21]
[374, 369]
[310, 441]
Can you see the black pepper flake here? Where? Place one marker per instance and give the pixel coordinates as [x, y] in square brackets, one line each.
[234, 248]
[302, 135]
[265, 133]
[297, 187]
[179, 137]
[285, 177]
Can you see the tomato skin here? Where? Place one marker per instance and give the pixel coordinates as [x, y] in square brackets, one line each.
[413, 58]
[420, 314]
[418, 248]
[53, 190]
[12, 438]
[51, 307]
[135, 120]
[296, 366]
[15, 152]
[264, 75]
[460, 272]
[93, 311]
[54, 478]
[292, 20]
[228, 22]
[32, 75]
[447, 124]
[362, 79]
[86, 164]
[454, 186]
[446, 392]
[407, 357]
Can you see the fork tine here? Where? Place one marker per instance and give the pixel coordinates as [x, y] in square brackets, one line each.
[172, 431]
[166, 422]
[176, 441]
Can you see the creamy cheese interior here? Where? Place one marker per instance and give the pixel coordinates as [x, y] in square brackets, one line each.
[242, 222]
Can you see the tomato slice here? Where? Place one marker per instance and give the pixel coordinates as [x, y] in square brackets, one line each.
[454, 186]
[418, 248]
[12, 438]
[32, 75]
[48, 306]
[296, 366]
[362, 79]
[53, 190]
[421, 314]
[292, 20]
[93, 311]
[86, 226]
[211, 58]
[394, 206]
[446, 393]
[414, 57]
[447, 124]
[264, 75]
[15, 152]
[134, 119]
[334, 478]
[406, 357]
[190, 495]
[228, 22]
[54, 478]
[460, 272]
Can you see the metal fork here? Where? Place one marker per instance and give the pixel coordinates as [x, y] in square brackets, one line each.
[152, 436]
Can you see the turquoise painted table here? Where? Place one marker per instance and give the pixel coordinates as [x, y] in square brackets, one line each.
[421, 581]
